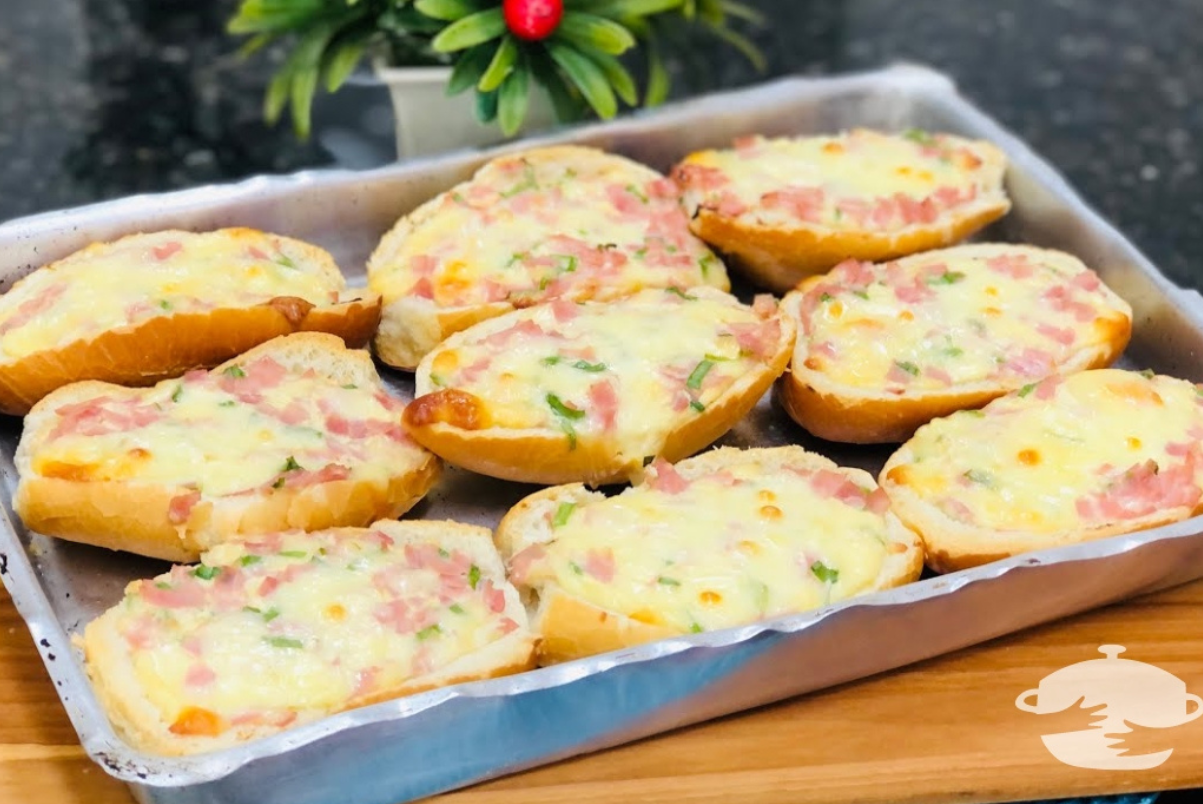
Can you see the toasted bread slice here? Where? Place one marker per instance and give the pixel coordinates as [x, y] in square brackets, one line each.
[723, 539]
[784, 209]
[287, 628]
[151, 306]
[590, 392]
[1070, 459]
[296, 433]
[885, 348]
[562, 222]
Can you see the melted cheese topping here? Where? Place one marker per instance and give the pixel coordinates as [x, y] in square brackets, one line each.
[719, 549]
[1005, 314]
[526, 230]
[127, 282]
[285, 628]
[859, 180]
[1095, 448]
[633, 370]
[253, 427]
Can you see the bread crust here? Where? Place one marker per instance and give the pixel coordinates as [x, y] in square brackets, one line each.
[952, 545]
[169, 345]
[571, 628]
[851, 414]
[139, 722]
[545, 456]
[134, 516]
[778, 258]
[411, 326]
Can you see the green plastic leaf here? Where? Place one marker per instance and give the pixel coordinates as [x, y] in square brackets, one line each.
[277, 97]
[743, 12]
[304, 85]
[469, 67]
[621, 80]
[585, 76]
[658, 82]
[486, 106]
[449, 10]
[276, 16]
[255, 44]
[513, 99]
[342, 60]
[599, 33]
[501, 65]
[743, 45]
[471, 30]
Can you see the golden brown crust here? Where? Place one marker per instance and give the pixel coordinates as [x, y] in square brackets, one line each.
[134, 516]
[549, 457]
[779, 259]
[168, 346]
[571, 628]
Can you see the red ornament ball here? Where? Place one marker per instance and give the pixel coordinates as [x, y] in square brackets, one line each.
[533, 20]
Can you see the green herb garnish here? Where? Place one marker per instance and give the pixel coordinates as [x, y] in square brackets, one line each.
[291, 465]
[279, 483]
[457, 608]
[162, 585]
[698, 374]
[947, 278]
[696, 405]
[350, 387]
[234, 371]
[177, 393]
[551, 361]
[907, 366]
[585, 365]
[575, 567]
[271, 614]
[824, 573]
[1027, 389]
[706, 263]
[695, 629]
[678, 292]
[428, 632]
[953, 351]
[864, 294]
[283, 642]
[562, 514]
[229, 403]
[664, 580]
[473, 576]
[293, 553]
[561, 409]
[206, 573]
[1148, 374]
[633, 190]
[979, 477]
[826, 297]
[249, 559]
[163, 303]
[919, 136]
[285, 261]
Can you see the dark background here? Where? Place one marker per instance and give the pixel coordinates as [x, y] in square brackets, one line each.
[105, 98]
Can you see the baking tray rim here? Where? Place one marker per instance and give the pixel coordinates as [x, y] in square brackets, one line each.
[129, 764]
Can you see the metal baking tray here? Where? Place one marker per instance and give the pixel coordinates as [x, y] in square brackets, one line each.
[453, 737]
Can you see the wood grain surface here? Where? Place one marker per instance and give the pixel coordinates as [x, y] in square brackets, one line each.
[946, 730]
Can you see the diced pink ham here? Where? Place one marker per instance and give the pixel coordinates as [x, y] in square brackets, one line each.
[804, 203]
[199, 675]
[166, 250]
[599, 564]
[699, 177]
[603, 403]
[182, 592]
[180, 508]
[1015, 266]
[663, 476]
[1061, 335]
[522, 561]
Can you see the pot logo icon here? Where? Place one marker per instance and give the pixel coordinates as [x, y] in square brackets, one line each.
[1127, 695]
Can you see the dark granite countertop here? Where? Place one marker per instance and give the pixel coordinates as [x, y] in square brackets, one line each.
[107, 98]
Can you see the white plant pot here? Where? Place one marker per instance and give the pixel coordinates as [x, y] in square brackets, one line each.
[428, 121]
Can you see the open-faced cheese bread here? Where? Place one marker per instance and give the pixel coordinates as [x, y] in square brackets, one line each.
[723, 539]
[286, 628]
[563, 222]
[1061, 461]
[590, 392]
[884, 348]
[786, 208]
[296, 433]
[150, 306]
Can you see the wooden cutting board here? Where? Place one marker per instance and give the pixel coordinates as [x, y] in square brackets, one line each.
[946, 730]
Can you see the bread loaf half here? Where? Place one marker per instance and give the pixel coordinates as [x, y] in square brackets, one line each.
[727, 538]
[565, 222]
[1058, 462]
[885, 348]
[286, 628]
[296, 433]
[784, 209]
[155, 305]
[593, 391]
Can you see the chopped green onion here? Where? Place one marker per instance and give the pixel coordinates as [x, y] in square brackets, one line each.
[907, 366]
[457, 608]
[551, 361]
[562, 514]
[473, 576]
[229, 403]
[698, 374]
[291, 465]
[206, 573]
[569, 431]
[633, 190]
[575, 567]
[695, 628]
[166, 305]
[351, 386]
[664, 580]
[1148, 374]
[919, 136]
[294, 553]
[678, 292]
[706, 263]
[252, 609]
[177, 393]
[458, 198]
[279, 484]
[826, 297]
[429, 631]
[162, 585]
[283, 642]
[285, 261]
[947, 278]
[249, 559]
[696, 405]
[979, 477]
[585, 365]
[563, 410]
[1027, 389]
[864, 294]
[271, 614]
[953, 351]
[824, 573]
[234, 371]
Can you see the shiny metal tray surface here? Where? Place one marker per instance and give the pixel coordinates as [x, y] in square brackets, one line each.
[452, 737]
